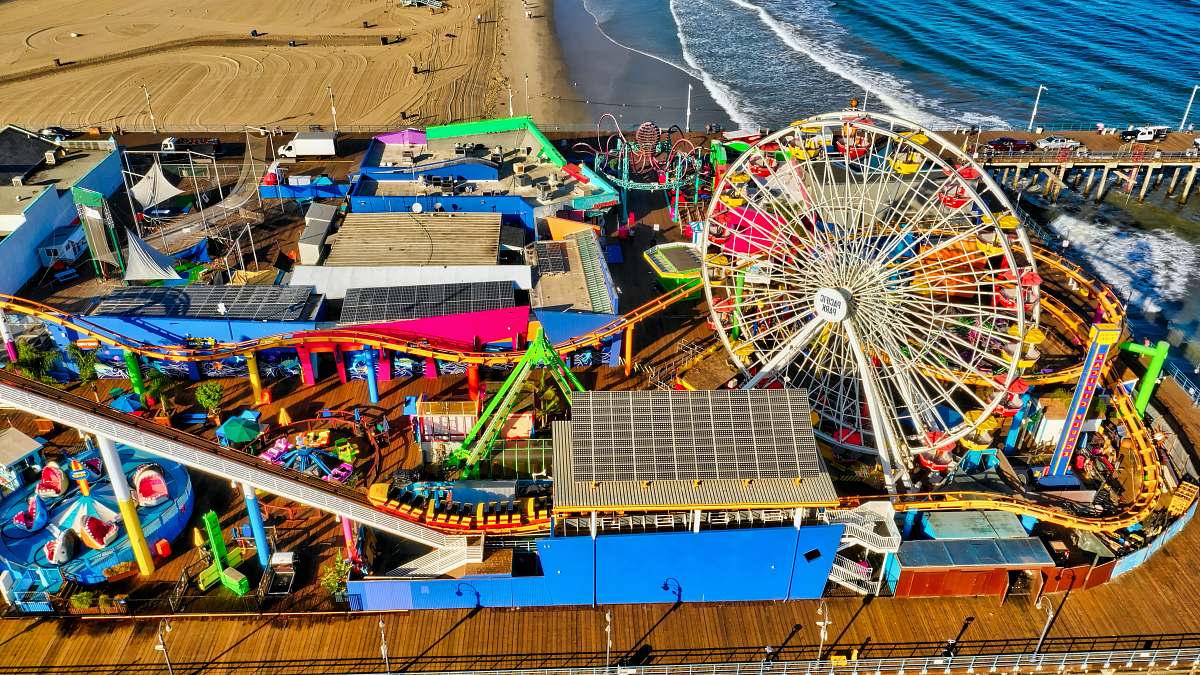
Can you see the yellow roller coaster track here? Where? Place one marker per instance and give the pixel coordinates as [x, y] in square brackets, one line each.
[409, 344]
[1113, 311]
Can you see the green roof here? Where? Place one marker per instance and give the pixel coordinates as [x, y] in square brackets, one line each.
[498, 126]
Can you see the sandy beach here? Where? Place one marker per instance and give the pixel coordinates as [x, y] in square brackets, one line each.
[531, 47]
[202, 67]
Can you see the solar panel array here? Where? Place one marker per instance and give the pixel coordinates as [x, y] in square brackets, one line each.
[376, 305]
[552, 257]
[255, 303]
[692, 435]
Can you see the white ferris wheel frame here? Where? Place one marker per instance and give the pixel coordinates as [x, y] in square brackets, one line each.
[936, 154]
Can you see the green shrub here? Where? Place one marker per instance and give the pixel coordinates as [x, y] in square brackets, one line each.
[83, 600]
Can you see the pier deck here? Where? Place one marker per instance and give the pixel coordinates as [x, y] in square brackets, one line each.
[1134, 605]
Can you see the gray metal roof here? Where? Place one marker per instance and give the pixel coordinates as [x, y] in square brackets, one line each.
[1019, 553]
[257, 303]
[672, 449]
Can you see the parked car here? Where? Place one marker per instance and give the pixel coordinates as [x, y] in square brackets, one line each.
[1058, 143]
[54, 133]
[1145, 134]
[1008, 144]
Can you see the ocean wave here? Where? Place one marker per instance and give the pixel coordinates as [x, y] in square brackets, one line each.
[721, 94]
[894, 92]
[1150, 268]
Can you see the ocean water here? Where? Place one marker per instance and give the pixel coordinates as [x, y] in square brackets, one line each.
[944, 62]
[768, 62]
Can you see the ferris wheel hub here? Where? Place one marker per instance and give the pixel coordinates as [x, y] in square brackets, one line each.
[833, 304]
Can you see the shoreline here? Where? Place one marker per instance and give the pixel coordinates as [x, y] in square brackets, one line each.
[606, 77]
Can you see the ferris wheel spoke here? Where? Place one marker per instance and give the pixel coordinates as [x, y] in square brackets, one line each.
[787, 352]
[890, 454]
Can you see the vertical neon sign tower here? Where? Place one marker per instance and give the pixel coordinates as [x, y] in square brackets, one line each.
[1103, 337]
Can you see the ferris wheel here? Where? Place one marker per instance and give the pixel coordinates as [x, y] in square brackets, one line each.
[874, 264]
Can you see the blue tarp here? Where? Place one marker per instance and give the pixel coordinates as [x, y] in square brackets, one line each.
[197, 253]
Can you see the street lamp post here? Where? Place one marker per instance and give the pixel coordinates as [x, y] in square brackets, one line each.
[510, 108]
[607, 640]
[823, 624]
[1187, 111]
[1037, 99]
[332, 106]
[1049, 618]
[383, 649]
[164, 624]
[527, 95]
[153, 124]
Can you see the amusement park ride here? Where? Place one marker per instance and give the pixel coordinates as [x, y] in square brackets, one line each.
[652, 160]
[857, 256]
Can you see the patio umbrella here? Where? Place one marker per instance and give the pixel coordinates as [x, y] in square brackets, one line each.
[284, 418]
[127, 403]
[239, 430]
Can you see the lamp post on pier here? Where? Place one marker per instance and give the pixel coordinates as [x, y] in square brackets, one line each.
[1187, 111]
[1037, 99]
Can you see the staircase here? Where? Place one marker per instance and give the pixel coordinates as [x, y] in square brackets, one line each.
[872, 528]
[458, 552]
[851, 575]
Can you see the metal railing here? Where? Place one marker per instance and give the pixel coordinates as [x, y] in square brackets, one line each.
[1115, 661]
[1184, 381]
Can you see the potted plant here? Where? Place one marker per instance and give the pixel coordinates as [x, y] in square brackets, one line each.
[157, 390]
[335, 574]
[85, 361]
[208, 396]
[83, 602]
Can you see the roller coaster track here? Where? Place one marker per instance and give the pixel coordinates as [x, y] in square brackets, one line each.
[199, 453]
[408, 343]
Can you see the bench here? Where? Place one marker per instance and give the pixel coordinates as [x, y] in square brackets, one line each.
[186, 419]
[66, 276]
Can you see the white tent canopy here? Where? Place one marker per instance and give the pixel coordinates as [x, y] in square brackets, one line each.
[145, 263]
[154, 188]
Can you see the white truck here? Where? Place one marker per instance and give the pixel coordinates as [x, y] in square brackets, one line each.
[311, 144]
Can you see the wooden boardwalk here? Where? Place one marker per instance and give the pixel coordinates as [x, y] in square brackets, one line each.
[1160, 598]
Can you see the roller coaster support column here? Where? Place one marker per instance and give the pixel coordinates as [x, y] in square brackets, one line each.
[473, 382]
[254, 514]
[135, 373]
[255, 380]
[372, 376]
[127, 505]
[1157, 356]
[629, 350]
[9, 345]
[308, 366]
[348, 535]
[1103, 337]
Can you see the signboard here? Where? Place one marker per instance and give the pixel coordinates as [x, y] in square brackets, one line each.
[87, 343]
[1103, 338]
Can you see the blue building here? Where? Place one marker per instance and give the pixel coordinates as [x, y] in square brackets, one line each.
[36, 181]
[664, 496]
[503, 166]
